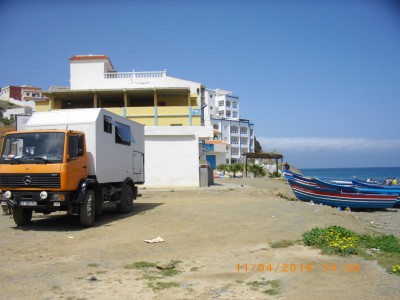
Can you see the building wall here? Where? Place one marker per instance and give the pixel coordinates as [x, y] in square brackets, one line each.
[11, 113]
[15, 92]
[172, 155]
[218, 151]
[86, 74]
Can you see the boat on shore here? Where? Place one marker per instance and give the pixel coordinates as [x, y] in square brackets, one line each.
[340, 198]
[365, 184]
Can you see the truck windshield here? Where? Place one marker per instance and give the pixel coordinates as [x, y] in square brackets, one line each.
[26, 148]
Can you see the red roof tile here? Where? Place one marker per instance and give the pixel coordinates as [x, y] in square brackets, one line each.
[88, 57]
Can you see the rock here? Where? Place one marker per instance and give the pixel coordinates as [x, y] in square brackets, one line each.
[165, 265]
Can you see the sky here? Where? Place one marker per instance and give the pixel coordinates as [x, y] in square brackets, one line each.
[319, 79]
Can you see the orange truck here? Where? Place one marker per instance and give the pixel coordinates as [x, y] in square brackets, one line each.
[74, 161]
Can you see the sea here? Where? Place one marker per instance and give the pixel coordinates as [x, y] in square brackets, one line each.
[347, 174]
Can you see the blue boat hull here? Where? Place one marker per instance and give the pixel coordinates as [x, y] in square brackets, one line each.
[364, 184]
[333, 197]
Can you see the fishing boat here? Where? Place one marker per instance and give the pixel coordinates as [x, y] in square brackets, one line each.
[366, 184]
[341, 198]
[299, 178]
[340, 187]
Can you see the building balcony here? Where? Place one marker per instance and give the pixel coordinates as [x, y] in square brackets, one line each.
[135, 75]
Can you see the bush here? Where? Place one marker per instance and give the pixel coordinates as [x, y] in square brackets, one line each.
[257, 170]
[333, 240]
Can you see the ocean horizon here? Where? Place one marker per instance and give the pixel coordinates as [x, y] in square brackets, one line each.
[346, 174]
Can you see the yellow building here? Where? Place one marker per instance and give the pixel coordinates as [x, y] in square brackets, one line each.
[150, 98]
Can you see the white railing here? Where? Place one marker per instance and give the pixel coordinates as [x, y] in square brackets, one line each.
[132, 75]
[58, 88]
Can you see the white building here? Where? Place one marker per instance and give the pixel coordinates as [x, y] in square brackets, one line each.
[222, 111]
[11, 113]
[170, 109]
[24, 95]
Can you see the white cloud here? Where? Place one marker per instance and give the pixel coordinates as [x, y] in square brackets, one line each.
[300, 144]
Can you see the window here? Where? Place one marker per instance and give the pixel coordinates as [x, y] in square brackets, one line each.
[122, 134]
[234, 104]
[80, 144]
[235, 114]
[107, 124]
[29, 147]
[221, 103]
[75, 146]
[176, 124]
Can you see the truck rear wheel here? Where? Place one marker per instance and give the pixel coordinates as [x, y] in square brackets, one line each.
[87, 209]
[127, 197]
[22, 216]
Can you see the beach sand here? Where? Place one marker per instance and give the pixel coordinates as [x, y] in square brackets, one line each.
[218, 237]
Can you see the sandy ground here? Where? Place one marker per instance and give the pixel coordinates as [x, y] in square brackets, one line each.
[219, 237]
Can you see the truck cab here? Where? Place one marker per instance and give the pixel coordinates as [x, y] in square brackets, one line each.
[41, 170]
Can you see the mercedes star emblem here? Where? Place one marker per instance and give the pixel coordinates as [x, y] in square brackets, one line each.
[27, 180]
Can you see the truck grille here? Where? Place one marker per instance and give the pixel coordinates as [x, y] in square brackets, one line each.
[51, 180]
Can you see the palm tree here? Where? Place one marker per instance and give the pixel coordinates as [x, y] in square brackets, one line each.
[257, 170]
[222, 168]
[235, 168]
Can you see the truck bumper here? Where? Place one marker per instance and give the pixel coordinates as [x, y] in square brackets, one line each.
[32, 199]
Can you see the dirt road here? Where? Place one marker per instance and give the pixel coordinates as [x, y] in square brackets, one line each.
[219, 239]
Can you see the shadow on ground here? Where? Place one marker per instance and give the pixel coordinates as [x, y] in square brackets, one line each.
[60, 221]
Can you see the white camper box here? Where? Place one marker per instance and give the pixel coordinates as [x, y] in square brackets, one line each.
[110, 159]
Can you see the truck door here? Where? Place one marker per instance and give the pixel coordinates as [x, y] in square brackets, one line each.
[77, 160]
[138, 167]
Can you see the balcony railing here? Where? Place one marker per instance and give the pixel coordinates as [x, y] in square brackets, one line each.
[133, 75]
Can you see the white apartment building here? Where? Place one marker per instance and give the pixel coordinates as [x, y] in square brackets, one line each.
[222, 112]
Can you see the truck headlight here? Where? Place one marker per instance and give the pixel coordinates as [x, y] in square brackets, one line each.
[7, 194]
[43, 195]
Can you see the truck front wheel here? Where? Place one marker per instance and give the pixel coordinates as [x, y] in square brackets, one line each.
[22, 216]
[126, 204]
[87, 209]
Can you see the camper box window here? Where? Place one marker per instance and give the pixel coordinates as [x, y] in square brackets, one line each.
[107, 124]
[122, 134]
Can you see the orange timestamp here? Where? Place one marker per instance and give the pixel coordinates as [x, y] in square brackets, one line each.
[293, 267]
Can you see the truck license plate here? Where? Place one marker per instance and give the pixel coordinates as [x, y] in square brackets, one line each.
[28, 203]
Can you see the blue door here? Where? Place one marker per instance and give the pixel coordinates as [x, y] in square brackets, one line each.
[212, 161]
